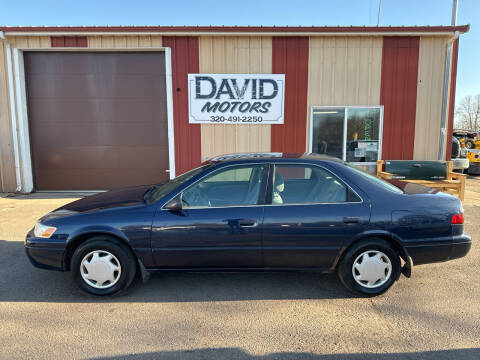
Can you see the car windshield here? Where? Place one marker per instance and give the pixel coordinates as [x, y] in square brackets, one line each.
[374, 179]
[159, 191]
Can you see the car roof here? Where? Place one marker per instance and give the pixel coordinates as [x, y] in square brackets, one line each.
[272, 156]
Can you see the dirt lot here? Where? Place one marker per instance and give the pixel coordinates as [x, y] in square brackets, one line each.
[434, 315]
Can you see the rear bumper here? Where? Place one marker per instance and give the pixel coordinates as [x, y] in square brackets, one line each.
[431, 252]
[45, 253]
[460, 163]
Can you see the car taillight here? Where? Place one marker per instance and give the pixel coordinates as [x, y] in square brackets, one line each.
[457, 219]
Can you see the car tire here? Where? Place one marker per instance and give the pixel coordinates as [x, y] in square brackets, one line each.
[469, 144]
[103, 266]
[364, 261]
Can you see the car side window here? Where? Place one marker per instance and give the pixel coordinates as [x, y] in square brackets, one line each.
[232, 186]
[306, 184]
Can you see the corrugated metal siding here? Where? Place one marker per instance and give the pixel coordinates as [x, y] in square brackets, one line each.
[344, 71]
[121, 42]
[290, 57]
[30, 42]
[451, 101]
[7, 167]
[398, 94]
[431, 67]
[69, 41]
[324, 89]
[188, 147]
[241, 55]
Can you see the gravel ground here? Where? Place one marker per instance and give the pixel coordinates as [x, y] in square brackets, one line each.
[434, 315]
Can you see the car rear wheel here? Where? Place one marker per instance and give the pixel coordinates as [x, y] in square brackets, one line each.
[369, 267]
[102, 266]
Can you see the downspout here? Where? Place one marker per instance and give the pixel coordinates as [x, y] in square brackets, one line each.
[13, 114]
[446, 84]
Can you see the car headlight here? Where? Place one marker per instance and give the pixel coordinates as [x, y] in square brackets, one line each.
[43, 231]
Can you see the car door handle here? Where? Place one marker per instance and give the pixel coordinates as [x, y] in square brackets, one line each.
[247, 223]
[351, 220]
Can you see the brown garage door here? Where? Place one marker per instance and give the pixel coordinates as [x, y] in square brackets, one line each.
[97, 120]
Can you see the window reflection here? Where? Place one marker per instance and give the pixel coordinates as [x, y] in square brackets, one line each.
[328, 132]
[362, 134]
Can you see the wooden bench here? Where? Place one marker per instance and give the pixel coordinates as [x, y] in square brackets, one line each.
[434, 174]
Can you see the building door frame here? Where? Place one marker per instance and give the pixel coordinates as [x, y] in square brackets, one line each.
[20, 122]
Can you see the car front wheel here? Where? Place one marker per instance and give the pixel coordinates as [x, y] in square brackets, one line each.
[102, 266]
[369, 267]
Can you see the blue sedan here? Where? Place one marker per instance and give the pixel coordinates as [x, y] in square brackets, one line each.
[254, 212]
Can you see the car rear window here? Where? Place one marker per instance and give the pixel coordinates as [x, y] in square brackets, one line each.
[373, 179]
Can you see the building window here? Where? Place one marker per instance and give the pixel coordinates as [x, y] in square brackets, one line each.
[350, 133]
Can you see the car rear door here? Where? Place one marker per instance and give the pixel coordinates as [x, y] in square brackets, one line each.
[219, 225]
[311, 218]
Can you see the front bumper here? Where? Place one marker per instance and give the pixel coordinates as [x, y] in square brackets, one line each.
[439, 251]
[45, 253]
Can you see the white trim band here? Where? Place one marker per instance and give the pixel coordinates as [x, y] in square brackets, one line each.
[13, 118]
[24, 136]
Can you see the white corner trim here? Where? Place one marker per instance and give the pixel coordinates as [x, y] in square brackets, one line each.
[380, 134]
[171, 133]
[21, 97]
[13, 118]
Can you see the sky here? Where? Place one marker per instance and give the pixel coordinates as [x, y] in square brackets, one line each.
[261, 12]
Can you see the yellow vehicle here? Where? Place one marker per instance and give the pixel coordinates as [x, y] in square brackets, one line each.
[470, 144]
[474, 159]
[468, 138]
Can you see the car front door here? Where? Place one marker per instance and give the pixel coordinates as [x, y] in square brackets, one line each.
[219, 225]
[313, 213]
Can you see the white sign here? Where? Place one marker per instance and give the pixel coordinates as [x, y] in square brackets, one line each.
[236, 98]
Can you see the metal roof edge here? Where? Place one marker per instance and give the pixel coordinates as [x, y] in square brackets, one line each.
[233, 30]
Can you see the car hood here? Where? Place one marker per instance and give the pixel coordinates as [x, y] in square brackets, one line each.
[106, 200]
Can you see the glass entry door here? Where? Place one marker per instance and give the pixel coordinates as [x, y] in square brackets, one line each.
[351, 133]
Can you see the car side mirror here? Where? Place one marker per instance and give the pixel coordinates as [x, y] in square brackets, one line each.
[175, 205]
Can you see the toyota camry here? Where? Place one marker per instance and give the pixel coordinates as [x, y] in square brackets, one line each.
[254, 212]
